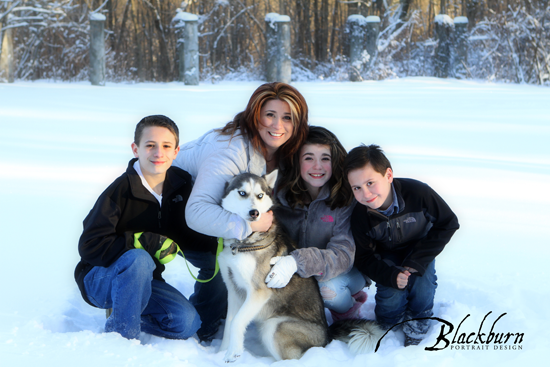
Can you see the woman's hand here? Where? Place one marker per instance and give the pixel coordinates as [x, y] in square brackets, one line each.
[264, 223]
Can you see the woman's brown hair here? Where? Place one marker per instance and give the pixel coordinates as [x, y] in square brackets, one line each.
[248, 121]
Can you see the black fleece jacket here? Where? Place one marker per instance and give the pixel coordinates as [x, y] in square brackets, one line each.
[127, 207]
[414, 236]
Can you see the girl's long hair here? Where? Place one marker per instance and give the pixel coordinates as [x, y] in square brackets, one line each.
[340, 191]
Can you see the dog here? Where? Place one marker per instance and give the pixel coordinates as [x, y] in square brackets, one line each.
[290, 320]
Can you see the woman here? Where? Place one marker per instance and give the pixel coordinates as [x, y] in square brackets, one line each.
[268, 132]
[315, 210]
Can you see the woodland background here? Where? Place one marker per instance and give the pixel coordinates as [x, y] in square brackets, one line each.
[509, 40]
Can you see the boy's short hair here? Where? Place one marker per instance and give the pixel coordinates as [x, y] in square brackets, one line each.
[362, 155]
[156, 120]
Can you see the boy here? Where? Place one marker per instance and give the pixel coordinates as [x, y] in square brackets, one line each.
[399, 229]
[136, 216]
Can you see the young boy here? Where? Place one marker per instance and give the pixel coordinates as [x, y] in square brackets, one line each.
[399, 229]
[141, 212]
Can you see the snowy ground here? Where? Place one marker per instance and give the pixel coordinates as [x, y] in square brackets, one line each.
[483, 147]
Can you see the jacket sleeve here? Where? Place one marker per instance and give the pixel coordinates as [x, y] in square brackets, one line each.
[366, 259]
[99, 243]
[204, 212]
[337, 258]
[445, 224]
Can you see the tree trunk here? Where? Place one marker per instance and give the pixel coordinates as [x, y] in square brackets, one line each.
[404, 8]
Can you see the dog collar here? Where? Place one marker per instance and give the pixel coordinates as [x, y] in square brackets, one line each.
[248, 248]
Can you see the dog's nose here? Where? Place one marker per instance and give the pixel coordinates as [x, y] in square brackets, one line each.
[254, 213]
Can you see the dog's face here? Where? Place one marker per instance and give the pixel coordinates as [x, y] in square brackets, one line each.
[249, 195]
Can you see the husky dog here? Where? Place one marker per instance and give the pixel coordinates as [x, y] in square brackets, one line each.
[290, 320]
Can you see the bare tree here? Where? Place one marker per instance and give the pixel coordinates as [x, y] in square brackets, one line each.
[509, 38]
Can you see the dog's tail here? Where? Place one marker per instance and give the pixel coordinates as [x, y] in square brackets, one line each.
[360, 335]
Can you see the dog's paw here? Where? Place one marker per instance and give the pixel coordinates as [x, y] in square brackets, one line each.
[231, 356]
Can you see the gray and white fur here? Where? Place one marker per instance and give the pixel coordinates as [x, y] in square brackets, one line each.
[290, 320]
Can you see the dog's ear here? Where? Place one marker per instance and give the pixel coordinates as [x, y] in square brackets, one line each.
[271, 178]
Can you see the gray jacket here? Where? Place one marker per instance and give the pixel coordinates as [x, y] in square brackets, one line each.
[325, 244]
[212, 160]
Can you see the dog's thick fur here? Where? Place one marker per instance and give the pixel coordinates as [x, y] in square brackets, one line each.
[290, 320]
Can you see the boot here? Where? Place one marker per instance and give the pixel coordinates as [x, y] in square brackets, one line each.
[360, 297]
[410, 341]
[354, 312]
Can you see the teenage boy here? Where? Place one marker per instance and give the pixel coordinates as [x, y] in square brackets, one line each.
[128, 236]
[399, 229]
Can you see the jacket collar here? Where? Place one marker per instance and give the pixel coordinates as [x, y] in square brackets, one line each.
[400, 202]
[256, 160]
[172, 183]
[323, 195]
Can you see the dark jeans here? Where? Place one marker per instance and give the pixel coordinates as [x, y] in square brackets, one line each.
[415, 301]
[209, 299]
[139, 302]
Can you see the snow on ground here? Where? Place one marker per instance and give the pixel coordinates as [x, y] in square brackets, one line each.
[483, 147]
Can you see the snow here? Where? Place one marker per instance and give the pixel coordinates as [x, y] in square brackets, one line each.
[356, 18]
[443, 19]
[460, 19]
[185, 17]
[372, 19]
[483, 147]
[270, 17]
[361, 20]
[276, 17]
[282, 19]
[98, 17]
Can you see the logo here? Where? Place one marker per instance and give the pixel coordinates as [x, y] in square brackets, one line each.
[469, 340]
[177, 199]
[410, 220]
[327, 218]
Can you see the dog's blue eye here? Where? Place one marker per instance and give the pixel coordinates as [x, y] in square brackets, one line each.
[260, 196]
[242, 193]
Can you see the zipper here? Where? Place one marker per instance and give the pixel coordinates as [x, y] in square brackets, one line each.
[304, 229]
[389, 230]
[160, 216]
[399, 228]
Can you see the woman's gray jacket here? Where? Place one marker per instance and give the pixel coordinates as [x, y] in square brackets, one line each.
[212, 160]
[325, 244]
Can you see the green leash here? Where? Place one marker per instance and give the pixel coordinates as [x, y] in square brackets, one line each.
[218, 251]
[170, 249]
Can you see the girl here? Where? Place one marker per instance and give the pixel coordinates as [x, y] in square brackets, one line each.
[315, 211]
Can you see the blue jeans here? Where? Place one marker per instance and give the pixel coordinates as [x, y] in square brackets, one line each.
[139, 302]
[209, 299]
[415, 301]
[337, 291]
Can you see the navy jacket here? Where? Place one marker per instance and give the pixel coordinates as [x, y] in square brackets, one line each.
[127, 207]
[413, 237]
